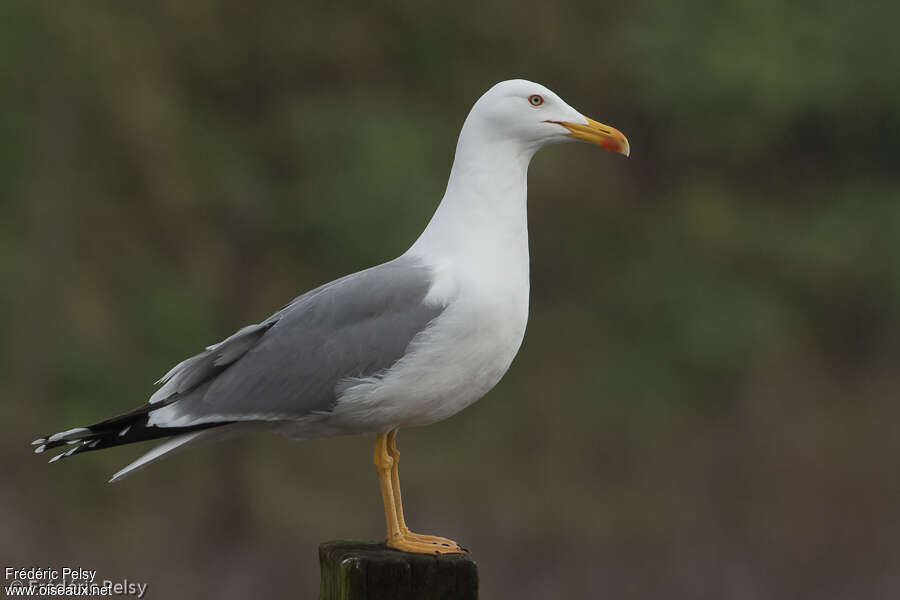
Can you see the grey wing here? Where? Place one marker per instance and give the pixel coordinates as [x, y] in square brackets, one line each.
[289, 365]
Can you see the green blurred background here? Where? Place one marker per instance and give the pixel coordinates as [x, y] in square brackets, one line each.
[705, 405]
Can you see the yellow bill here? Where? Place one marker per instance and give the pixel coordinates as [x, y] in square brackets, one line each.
[604, 136]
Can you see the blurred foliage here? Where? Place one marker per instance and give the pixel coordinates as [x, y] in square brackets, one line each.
[707, 392]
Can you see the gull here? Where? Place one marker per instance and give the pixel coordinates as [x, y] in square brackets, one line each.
[406, 343]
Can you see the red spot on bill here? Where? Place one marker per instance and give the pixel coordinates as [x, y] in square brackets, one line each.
[612, 145]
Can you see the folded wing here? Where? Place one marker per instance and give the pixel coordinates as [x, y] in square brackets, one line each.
[285, 367]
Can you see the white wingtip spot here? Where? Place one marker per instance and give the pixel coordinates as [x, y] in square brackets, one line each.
[124, 431]
[39, 441]
[62, 435]
[56, 458]
[40, 448]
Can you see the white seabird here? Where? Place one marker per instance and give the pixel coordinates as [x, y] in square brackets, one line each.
[406, 343]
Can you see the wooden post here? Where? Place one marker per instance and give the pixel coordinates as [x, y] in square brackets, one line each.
[371, 571]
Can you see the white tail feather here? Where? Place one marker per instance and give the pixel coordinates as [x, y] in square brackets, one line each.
[158, 452]
[178, 442]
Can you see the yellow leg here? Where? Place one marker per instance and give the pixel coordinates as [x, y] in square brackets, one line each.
[436, 541]
[396, 538]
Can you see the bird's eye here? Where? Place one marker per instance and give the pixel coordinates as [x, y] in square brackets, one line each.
[535, 100]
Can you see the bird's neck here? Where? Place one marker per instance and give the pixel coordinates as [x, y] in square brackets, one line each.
[483, 214]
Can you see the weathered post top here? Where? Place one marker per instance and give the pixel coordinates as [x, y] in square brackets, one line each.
[371, 571]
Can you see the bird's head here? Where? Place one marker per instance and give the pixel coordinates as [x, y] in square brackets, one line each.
[532, 114]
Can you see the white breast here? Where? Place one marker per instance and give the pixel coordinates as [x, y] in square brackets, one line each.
[453, 363]
[477, 245]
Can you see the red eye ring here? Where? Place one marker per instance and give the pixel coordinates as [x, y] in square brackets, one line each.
[535, 99]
